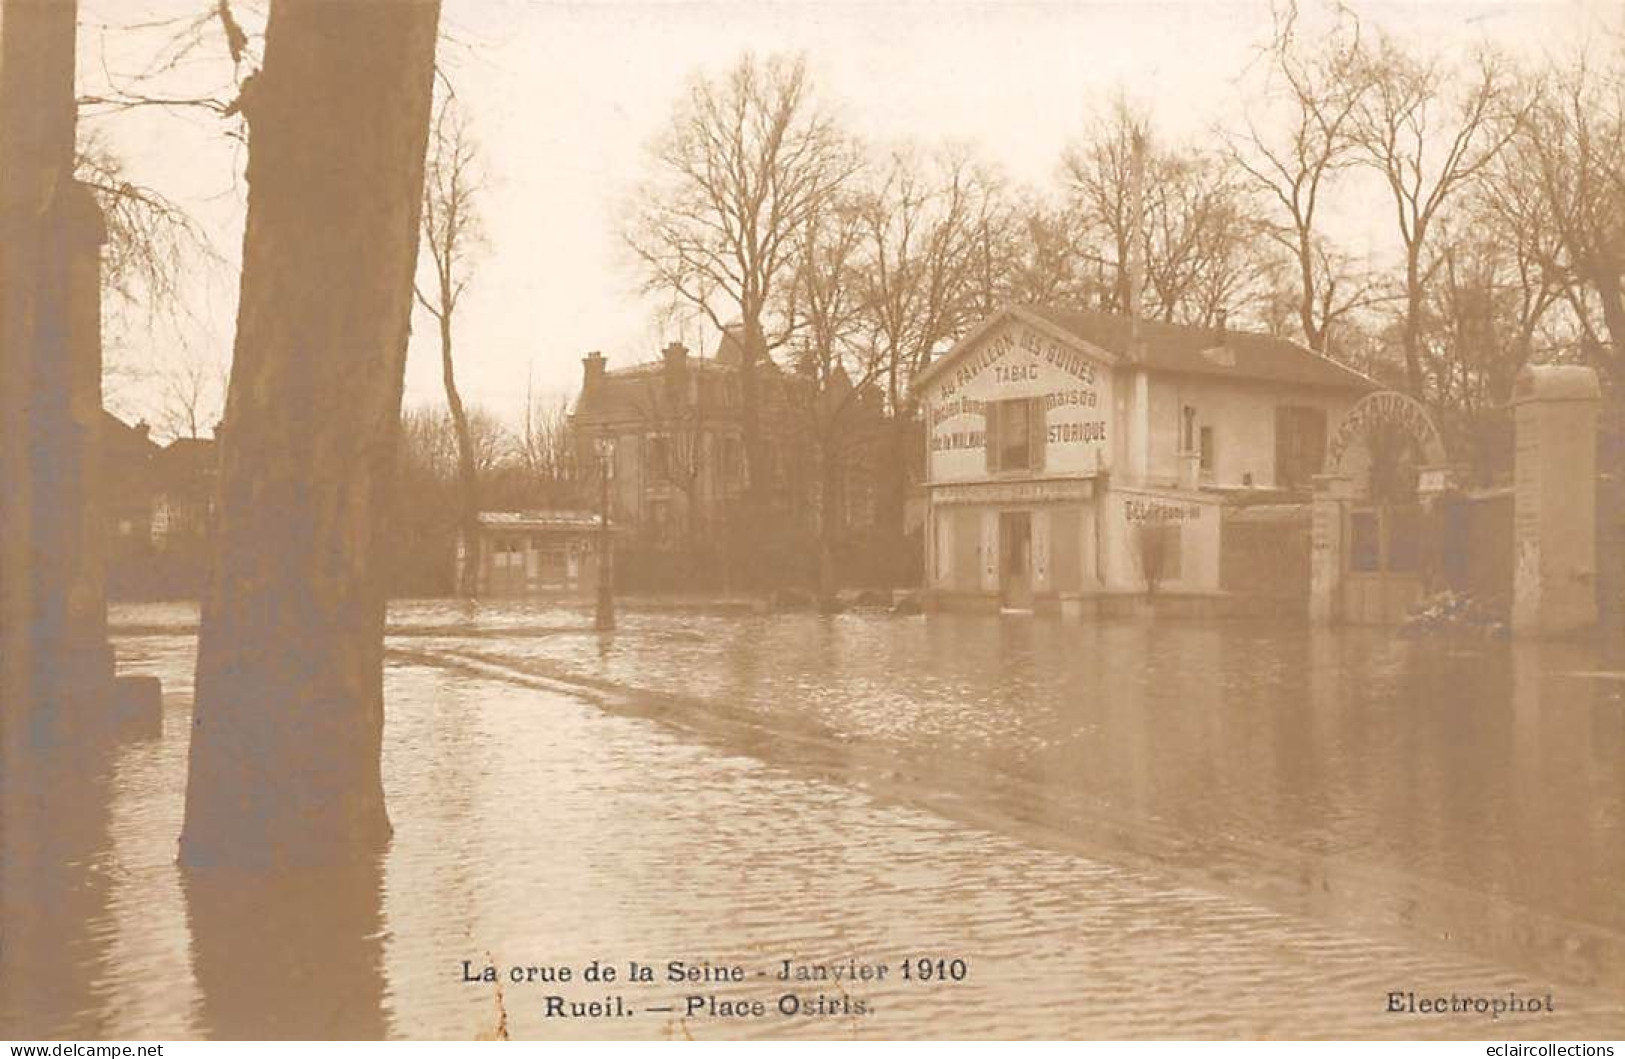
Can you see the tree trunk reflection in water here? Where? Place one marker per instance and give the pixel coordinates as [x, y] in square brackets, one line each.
[289, 955]
[53, 889]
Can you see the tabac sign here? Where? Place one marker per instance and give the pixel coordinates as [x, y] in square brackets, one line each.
[1046, 405]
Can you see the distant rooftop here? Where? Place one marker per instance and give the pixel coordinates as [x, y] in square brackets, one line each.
[539, 520]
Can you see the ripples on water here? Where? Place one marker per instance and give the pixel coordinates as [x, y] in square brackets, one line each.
[1128, 829]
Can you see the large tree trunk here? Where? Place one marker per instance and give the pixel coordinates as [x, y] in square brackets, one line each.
[1314, 331]
[289, 709]
[467, 474]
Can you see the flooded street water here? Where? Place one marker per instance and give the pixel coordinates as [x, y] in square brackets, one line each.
[1124, 828]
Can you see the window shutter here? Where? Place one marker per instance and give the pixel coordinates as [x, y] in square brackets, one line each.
[1037, 433]
[990, 435]
[1315, 444]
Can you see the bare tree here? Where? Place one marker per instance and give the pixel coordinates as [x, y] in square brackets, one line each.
[1203, 251]
[1102, 174]
[922, 268]
[151, 241]
[454, 236]
[547, 448]
[747, 161]
[1427, 147]
[1169, 233]
[1035, 257]
[1561, 188]
[183, 39]
[193, 396]
[287, 730]
[826, 304]
[1293, 154]
[154, 254]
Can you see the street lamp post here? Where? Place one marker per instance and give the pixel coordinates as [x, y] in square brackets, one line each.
[604, 620]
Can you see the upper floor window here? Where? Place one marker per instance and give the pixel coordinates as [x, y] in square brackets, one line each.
[659, 459]
[1015, 434]
[1207, 450]
[728, 461]
[1300, 445]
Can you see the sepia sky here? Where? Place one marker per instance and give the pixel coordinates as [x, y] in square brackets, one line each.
[566, 97]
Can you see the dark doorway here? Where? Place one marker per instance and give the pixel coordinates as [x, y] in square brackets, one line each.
[1015, 560]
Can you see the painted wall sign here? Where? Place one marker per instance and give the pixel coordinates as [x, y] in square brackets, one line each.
[1160, 511]
[1039, 492]
[1018, 362]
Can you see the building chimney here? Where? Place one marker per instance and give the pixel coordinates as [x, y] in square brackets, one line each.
[676, 357]
[592, 370]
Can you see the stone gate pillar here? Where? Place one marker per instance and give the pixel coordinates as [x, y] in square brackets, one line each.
[1333, 493]
[1555, 500]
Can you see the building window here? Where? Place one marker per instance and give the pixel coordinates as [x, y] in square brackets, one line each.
[1187, 433]
[1014, 434]
[551, 567]
[1300, 445]
[660, 523]
[508, 554]
[1015, 441]
[659, 459]
[1207, 450]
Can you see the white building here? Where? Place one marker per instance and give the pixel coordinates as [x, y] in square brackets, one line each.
[1073, 454]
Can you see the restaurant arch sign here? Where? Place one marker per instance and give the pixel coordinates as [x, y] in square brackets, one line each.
[1375, 412]
[1373, 519]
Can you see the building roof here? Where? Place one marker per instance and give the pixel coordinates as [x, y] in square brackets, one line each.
[121, 440]
[644, 391]
[186, 465]
[538, 520]
[1177, 348]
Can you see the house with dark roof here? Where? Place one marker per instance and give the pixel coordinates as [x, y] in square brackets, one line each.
[183, 492]
[157, 501]
[1075, 453]
[677, 429]
[128, 456]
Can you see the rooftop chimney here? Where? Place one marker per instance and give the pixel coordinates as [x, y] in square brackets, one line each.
[676, 357]
[592, 370]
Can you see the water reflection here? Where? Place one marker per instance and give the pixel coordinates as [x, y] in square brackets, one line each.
[1421, 786]
[288, 954]
[54, 887]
